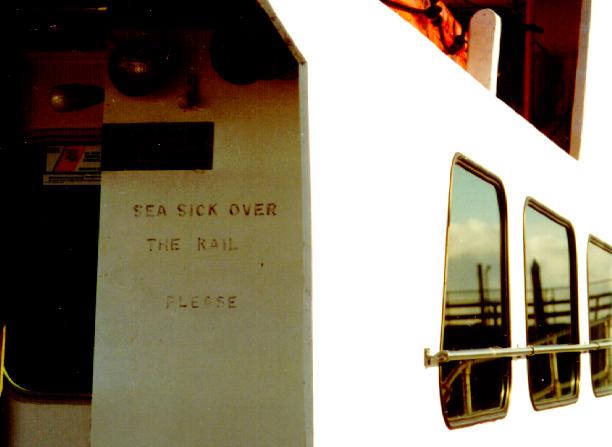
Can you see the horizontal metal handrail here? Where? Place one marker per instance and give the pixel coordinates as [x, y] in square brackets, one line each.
[445, 356]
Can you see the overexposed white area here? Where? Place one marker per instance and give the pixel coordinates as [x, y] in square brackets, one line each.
[386, 114]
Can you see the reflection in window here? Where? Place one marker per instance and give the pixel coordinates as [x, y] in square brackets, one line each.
[552, 316]
[476, 299]
[600, 313]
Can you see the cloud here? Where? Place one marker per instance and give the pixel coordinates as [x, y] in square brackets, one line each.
[474, 238]
[552, 254]
[470, 243]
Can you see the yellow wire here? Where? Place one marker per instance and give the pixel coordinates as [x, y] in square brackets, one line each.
[2, 338]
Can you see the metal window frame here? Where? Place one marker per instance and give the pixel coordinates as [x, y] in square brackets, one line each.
[574, 328]
[597, 391]
[486, 176]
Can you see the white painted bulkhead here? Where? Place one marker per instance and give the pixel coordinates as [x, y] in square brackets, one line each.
[200, 307]
[380, 182]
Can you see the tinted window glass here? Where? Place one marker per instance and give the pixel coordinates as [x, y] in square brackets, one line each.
[476, 303]
[600, 313]
[552, 317]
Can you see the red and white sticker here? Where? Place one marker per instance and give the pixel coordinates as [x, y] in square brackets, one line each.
[75, 164]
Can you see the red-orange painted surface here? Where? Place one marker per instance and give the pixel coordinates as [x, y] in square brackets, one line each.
[450, 27]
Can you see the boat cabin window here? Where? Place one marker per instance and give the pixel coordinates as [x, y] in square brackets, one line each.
[552, 308]
[476, 313]
[599, 262]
